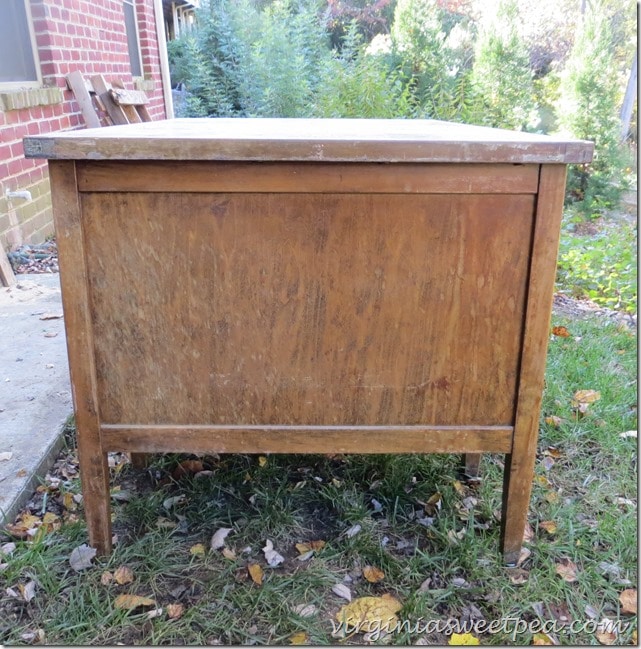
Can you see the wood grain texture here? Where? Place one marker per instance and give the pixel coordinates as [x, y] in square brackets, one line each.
[307, 177]
[519, 467]
[75, 299]
[307, 309]
[318, 140]
[307, 439]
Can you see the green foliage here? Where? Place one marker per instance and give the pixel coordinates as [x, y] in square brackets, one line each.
[600, 265]
[502, 73]
[588, 109]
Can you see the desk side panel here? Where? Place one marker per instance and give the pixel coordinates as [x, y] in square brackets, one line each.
[307, 309]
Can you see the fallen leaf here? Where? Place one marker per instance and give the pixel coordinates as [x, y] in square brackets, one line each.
[629, 433]
[458, 487]
[33, 637]
[628, 599]
[548, 463]
[229, 554]
[5, 456]
[524, 555]
[561, 332]
[433, 504]
[353, 531]
[553, 420]
[454, 537]
[8, 548]
[256, 573]
[157, 612]
[81, 557]
[606, 632]
[187, 467]
[218, 539]
[583, 398]
[528, 533]
[50, 316]
[542, 480]
[549, 526]
[342, 591]
[28, 591]
[591, 612]
[311, 545]
[299, 638]
[305, 610]
[518, 576]
[197, 550]
[271, 556]
[130, 602]
[168, 503]
[542, 639]
[370, 612]
[567, 570]
[165, 524]
[619, 500]
[373, 574]
[461, 639]
[262, 460]
[306, 556]
[21, 473]
[552, 497]
[106, 578]
[175, 611]
[51, 334]
[123, 575]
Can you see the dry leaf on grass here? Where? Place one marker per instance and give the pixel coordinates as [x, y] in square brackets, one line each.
[130, 602]
[518, 576]
[567, 570]
[553, 420]
[175, 611]
[303, 548]
[123, 575]
[606, 632]
[197, 550]
[463, 639]
[373, 574]
[106, 578]
[628, 599]
[187, 467]
[262, 460]
[548, 526]
[342, 591]
[561, 332]
[353, 531]
[256, 573]
[629, 433]
[168, 503]
[299, 638]
[542, 639]
[218, 539]
[229, 554]
[81, 557]
[524, 555]
[305, 610]
[370, 613]
[528, 533]
[28, 591]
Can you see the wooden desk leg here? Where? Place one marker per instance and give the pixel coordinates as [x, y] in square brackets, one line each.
[139, 460]
[471, 464]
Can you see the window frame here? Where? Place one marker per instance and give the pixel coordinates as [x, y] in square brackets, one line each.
[133, 5]
[37, 83]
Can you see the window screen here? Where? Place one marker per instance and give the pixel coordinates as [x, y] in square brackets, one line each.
[17, 60]
[132, 38]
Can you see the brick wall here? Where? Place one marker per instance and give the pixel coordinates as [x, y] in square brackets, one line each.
[85, 35]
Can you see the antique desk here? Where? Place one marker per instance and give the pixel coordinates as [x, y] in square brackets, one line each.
[307, 286]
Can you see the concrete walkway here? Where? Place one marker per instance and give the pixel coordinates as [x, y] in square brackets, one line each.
[35, 394]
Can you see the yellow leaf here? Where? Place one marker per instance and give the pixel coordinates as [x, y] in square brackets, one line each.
[262, 460]
[123, 575]
[129, 602]
[197, 550]
[68, 502]
[562, 332]
[229, 554]
[299, 638]
[542, 639]
[552, 497]
[373, 574]
[548, 526]
[586, 396]
[370, 613]
[566, 570]
[106, 578]
[256, 573]
[434, 503]
[463, 639]
[336, 482]
[553, 420]
[51, 522]
[175, 611]
[628, 599]
[458, 487]
[310, 545]
[541, 480]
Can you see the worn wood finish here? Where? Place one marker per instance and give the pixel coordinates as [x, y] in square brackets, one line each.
[78, 325]
[285, 309]
[316, 140]
[78, 85]
[281, 290]
[7, 278]
[307, 439]
[519, 467]
[326, 178]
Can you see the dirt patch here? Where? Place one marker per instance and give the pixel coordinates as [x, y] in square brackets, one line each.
[570, 307]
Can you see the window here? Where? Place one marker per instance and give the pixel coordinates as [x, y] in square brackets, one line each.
[133, 43]
[19, 64]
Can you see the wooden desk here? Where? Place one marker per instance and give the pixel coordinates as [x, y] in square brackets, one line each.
[307, 286]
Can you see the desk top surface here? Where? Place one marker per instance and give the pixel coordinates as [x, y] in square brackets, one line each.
[327, 140]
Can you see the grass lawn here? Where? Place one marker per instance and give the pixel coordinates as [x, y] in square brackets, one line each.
[432, 535]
